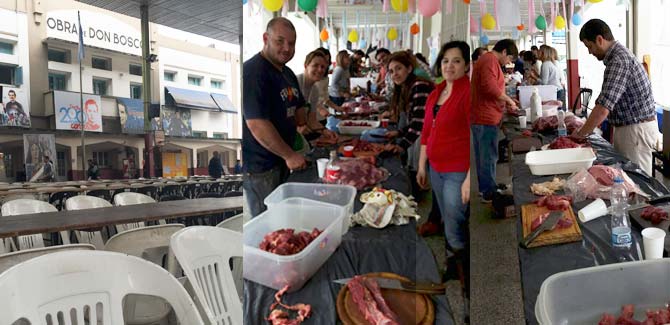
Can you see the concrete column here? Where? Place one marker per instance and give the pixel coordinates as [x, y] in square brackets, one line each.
[194, 159]
[574, 82]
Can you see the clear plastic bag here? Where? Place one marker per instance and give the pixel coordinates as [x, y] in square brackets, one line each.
[581, 185]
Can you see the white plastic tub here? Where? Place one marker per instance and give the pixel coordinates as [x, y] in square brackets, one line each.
[340, 195]
[355, 130]
[277, 271]
[582, 296]
[559, 161]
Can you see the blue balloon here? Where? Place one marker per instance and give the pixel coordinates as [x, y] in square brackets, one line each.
[484, 40]
[244, 2]
[362, 44]
[515, 34]
[576, 19]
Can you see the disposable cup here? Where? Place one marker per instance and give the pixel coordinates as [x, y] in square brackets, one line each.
[653, 240]
[321, 166]
[522, 122]
[385, 123]
[594, 210]
[348, 151]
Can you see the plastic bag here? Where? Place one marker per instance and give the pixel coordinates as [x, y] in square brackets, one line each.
[580, 185]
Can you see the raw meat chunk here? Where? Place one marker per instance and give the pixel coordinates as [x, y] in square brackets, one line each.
[286, 242]
[654, 214]
[555, 202]
[280, 317]
[367, 303]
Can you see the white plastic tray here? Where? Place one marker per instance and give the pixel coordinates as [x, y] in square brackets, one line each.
[276, 271]
[559, 161]
[582, 296]
[355, 130]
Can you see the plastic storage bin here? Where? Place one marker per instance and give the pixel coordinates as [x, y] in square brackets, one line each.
[355, 130]
[277, 271]
[582, 296]
[341, 195]
[559, 161]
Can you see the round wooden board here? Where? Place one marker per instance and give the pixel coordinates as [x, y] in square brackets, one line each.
[411, 308]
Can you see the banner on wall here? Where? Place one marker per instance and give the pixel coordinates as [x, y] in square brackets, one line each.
[131, 115]
[14, 110]
[35, 147]
[68, 112]
[177, 122]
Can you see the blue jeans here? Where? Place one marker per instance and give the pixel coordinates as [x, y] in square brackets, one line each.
[257, 186]
[560, 95]
[332, 122]
[485, 141]
[447, 189]
[379, 133]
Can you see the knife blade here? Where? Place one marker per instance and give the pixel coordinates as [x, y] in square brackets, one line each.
[547, 224]
[654, 201]
[420, 287]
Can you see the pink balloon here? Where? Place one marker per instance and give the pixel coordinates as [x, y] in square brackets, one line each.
[428, 8]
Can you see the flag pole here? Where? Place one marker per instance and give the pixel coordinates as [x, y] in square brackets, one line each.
[81, 97]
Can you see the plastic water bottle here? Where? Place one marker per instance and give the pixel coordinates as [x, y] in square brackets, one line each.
[535, 105]
[562, 129]
[621, 235]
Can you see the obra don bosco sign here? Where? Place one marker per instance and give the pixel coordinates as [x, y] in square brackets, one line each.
[99, 30]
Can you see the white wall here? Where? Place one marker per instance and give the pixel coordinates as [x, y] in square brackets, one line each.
[14, 29]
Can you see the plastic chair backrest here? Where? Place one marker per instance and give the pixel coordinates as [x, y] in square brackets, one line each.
[234, 223]
[83, 202]
[27, 206]
[11, 259]
[86, 284]
[205, 253]
[144, 242]
[129, 198]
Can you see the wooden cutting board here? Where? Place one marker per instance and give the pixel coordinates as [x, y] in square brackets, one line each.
[410, 307]
[557, 236]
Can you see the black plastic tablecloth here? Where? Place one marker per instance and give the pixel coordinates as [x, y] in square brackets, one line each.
[396, 249]
[537, 264]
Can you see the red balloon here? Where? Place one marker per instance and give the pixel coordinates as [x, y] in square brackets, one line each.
[520, 27]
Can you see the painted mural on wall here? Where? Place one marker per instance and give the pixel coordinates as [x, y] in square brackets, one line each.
[177, 121]
[131, 114]
[14, 110]
[36, 146]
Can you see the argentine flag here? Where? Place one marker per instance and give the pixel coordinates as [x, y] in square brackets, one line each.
[81, 39]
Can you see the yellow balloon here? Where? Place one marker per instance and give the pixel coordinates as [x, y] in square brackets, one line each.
[488, 22]
[595, 1]
[353, 36]
[400, 5]
[559, 22]
[272, 5]
[392, 34]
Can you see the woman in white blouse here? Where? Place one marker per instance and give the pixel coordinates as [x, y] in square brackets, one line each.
[550, 74]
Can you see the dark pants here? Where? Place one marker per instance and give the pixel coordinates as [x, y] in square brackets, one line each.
[258, 186]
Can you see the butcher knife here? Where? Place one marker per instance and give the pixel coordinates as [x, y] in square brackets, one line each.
[547, 224]
[420, 287]
[654, 201]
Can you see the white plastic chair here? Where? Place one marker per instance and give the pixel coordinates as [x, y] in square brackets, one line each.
[204, 254]
[28, 206]
[83, 202]
[234, 223]
[129, 198]
[86, 285]
[11, 259]
[151, 244]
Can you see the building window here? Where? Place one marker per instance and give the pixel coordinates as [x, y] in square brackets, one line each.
[195, 81]
[217, 84]
[199, 134]
[202, 159]
[61, 56]
[57, 81]
[218, 135]
[100, 87]
[8, 74]
[169, 76]
[9, 165]
[135, 70]
[101, 63]
[136, 91]
[6, 48]
[60, 163]
[102, 158]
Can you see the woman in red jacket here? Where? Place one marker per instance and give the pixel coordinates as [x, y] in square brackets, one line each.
[445, 144]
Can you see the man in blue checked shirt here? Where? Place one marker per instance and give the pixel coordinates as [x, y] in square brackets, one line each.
[625, 99]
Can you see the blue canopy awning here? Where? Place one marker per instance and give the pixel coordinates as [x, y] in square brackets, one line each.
[186, 98]
[224, 103]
